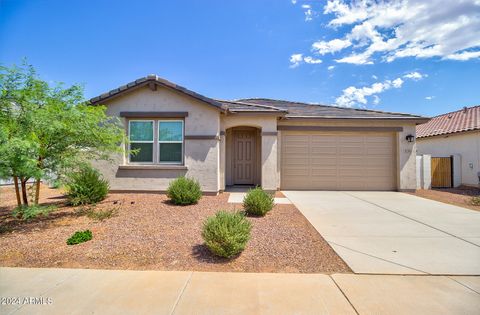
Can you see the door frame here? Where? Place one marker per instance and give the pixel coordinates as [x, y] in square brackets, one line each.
[230, 155]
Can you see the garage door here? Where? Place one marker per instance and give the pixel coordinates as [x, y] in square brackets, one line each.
[338, 161]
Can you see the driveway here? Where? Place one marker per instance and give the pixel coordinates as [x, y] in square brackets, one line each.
[394, 233]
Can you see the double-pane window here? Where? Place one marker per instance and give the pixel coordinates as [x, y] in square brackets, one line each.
[165, 148]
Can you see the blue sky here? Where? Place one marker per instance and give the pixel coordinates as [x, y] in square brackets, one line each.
[396, 57]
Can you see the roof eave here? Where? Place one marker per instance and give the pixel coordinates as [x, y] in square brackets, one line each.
[418, 120]
[158, 81]
[249, 113]
[448, 133]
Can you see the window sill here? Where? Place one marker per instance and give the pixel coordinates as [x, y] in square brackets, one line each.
[153, 167]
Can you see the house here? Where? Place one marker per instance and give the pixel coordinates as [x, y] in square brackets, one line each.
[456, 135]
[272, 143]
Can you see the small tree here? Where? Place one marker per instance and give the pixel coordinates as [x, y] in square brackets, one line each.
[46, 130]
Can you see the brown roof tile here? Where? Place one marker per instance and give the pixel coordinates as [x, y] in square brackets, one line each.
[465, 119]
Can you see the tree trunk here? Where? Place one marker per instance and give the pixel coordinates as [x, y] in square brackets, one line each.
[37, 190]
[23, 182]
[37, 182]
[17, 191]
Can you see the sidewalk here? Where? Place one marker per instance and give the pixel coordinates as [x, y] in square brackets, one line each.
[80, 291]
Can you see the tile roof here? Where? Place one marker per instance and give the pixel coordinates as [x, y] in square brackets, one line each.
[286, 109]
[305, 110]
[465, 119]
[152, 78]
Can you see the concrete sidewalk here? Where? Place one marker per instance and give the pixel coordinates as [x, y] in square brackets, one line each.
[80, 291]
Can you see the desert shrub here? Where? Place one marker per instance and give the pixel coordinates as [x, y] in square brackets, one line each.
[32, 211]
[258, 202]
[86, 186]
[184, 191]
[475, 201]
[80, 237]
[226, 234]
[100, 215]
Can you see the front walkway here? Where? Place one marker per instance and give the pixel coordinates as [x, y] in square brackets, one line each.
[80, 291]
[394, 233]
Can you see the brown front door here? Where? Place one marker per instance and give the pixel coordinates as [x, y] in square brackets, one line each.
[244, 157]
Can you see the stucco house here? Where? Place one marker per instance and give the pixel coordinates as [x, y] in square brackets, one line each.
[456, 135]
[272, 143]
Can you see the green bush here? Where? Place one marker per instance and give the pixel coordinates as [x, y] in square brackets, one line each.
[226, 234]
[86, 186]
[184, 191]
[33, 211]
[258, 202]
[80, 237]
[476, 201]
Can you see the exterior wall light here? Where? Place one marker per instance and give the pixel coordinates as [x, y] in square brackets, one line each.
[410, 138]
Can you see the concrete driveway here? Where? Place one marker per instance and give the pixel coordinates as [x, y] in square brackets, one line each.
[394, 233]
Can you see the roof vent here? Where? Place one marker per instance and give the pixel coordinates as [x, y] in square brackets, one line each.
[449, 116]
[465, 109]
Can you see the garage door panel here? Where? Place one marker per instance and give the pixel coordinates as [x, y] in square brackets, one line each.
[338, 161]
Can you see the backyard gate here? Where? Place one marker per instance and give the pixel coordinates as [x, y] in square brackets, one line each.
[442, 172]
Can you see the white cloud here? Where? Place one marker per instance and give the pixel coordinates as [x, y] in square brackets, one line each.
[331, 68]
[353, 96]
[429, 98]
[389, 30]
[374, 77]
[323, 47]
[294, 1]
[297, 59]
[415, 76]
[466, 55]
[309, 13]
[312, 60]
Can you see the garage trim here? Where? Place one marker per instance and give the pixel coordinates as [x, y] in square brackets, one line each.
[339, 128]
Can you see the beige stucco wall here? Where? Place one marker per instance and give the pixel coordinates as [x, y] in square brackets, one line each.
[202, 157]
[466, 144]
[406, 161]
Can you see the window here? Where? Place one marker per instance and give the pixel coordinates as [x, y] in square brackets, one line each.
[156, 141]
[170, 141]
[141, 138]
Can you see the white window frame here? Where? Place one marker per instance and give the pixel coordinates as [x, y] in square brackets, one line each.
[161, 141]
[152, 142]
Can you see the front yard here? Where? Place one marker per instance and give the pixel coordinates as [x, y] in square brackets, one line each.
[147, 232]
[461, 196]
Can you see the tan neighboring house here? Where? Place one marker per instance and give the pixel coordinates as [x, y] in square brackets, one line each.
[272, 143]
[455, 135]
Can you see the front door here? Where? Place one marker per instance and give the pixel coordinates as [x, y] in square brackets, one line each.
[244, 157]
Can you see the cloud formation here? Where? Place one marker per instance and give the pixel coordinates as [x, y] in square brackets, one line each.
[353, 96]
[297, 59]
[388, 30]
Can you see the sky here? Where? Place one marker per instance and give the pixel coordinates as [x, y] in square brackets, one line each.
[420, 57]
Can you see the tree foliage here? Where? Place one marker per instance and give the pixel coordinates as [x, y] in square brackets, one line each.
[45, 130]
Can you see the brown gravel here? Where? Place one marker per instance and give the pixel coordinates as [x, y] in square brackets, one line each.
[149, 233]
[461, 196]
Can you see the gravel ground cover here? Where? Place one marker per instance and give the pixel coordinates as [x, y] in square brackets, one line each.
[146, 232]
[461, 196]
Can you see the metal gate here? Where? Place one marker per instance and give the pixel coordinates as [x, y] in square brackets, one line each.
[442, 172]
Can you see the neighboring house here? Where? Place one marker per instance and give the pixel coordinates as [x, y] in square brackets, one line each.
[272, 143]
[454, 134]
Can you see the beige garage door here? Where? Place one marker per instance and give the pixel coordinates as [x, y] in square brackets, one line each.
[338, 161]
